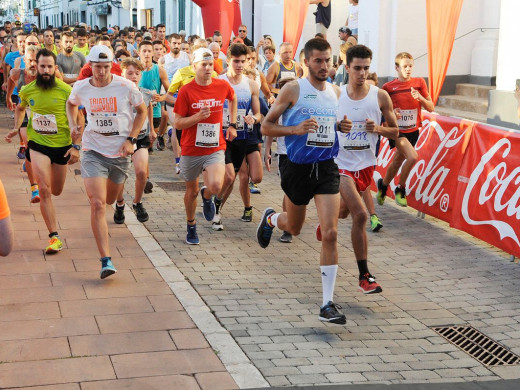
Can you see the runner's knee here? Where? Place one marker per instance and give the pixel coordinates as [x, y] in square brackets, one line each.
[330, 234]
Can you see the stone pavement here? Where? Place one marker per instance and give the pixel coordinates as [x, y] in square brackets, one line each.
[63, 327]
[268, 298]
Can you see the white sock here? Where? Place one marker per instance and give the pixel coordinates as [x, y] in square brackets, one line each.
[328, 279]
[273, 218]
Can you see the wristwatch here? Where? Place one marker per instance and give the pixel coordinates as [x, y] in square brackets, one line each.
[233, 125]
[77, 147]
[132, 140]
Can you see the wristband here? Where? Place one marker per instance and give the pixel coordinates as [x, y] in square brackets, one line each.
[77, 147]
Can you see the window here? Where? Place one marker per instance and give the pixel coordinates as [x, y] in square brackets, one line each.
[163, 11]
[182, 15]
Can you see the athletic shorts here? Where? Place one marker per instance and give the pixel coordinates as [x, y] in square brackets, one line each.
[143, 143]
[156, 122]
[192, 166]
[56, 155]
[412, 137]
[252, 148]
[362, 178]
[282, 162]
[25, 121]
[321, 29]
[179, 135]
[235, 152]
[301, 182]
[94, 164]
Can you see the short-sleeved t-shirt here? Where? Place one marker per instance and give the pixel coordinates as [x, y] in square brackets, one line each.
[205, 137]
[182, 77]
[70, 66]
[401, 94]
[86, 71]
[4, 206]
[109, 113]
[83, 50]
[48, 124]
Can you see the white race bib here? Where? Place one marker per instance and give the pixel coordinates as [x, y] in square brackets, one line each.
[408, 119]
[44, 124]
[225, 117]
[70, 75]
[241, 114]
[325, 135]
[103, 123]
[285, 74]
[357, 138]
[207, 135]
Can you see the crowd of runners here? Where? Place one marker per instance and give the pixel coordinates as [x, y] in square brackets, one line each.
[109, 97]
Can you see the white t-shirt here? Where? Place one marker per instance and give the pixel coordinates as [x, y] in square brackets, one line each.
[172, 65]
[110, 113]
[352, 16]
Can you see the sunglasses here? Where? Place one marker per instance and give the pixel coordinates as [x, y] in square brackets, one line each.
[242, 30]
[31, 43]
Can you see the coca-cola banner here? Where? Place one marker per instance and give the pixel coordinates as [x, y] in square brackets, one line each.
[432, 184]
[488, 192]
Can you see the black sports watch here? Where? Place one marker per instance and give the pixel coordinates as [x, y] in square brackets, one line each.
[132, 140]
[233, 125]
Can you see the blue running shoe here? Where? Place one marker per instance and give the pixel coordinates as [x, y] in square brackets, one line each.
[23, 167]
[192, 237]
[35, 196]
[21, 153]
[107, 268]
[208, 206]
[264, 230]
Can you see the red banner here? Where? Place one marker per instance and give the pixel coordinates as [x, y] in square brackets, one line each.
[488, 201]
[218, 15]
[431, 186]
[294, 14]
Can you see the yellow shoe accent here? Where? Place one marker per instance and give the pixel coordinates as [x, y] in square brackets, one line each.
[55, 245]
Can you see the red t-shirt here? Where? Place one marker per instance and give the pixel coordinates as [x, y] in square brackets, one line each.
[401, 94]
[167, 44]
[86, 71]
[205, 137]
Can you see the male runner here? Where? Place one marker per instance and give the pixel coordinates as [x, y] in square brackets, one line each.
[362, 104]
[198, 112]
[48, 41]
[108, 141]
[284, 68]
[82, 45]
[247, 92]
[69, 61]
[49, 147]
[409, 95]
[309, 107]
[161, 36]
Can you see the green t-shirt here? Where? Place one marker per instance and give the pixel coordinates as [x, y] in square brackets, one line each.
[48, 124]
[83, 50]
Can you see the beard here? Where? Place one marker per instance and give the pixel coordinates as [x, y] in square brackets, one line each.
[45, 83]
[176, 50]
[68, 50]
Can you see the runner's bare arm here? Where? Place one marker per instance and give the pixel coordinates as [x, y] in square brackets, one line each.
[164, 78]
[139, 119]
[426, 101]
[231, 132]
[153, 134]
[391, 130]
[11, 83]
[271, 76]
[19, 114]
[267, 153]
[299, 70]
[256, 117]
[184, 122]
[265, 88]
[72, 117]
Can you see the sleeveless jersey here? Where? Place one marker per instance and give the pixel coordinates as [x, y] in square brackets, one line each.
[152, 81]
[284, 72]
[357, 149]
[243, 93]
[172, 65]
[323, 106]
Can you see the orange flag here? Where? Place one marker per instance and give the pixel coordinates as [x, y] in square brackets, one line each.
[294, 14]
[442, 18]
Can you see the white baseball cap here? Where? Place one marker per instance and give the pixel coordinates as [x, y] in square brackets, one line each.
[100, 53]
[202, 54]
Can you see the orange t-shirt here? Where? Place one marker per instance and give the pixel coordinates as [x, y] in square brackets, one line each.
[205, 137]
[401, 94]
[4, 207]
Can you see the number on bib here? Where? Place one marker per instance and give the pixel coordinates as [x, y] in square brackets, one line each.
[106, 124]
[408, 119]
[357, 138]
[208, 135]
[325, 135]
[44, 124]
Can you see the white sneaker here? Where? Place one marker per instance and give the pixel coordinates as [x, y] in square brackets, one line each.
[217, 223]
[177, 168]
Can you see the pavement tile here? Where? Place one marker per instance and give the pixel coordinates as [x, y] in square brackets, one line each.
[34, 349]
[20, 330]
[184, 382]
[165, 303]
[215, 381]
[92, 307]
[188, 339]
[120, 289]
[143, 322]
[29, 311]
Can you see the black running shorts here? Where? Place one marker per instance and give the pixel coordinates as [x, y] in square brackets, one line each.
[235, 152]
[56, 155]
[412, 137]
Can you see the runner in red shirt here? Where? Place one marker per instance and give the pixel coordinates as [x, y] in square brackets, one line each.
[86, 71]
[198, 112]
[409, 95]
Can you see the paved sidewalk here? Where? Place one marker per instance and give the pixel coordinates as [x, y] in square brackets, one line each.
[61, 326]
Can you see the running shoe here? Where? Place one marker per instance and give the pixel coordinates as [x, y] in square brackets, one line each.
[216, 224]
[21, 153]
[148, 187]
[318, 232]
[107, 268]
[253, 188]
[330, 313]
[375, 223]
[35, 196]
[160, 142]
[264, 230]
[177, 168]
[119, 214]
[24, 167]
[208, 206]
[381, 192]
[140, 212]
[285, 237]
[400, 196]
[192, 238]
[368, 284]
[55, 245]
[247, 216]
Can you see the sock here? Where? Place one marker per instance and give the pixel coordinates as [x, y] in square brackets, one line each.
[248, 208]
[105, 258]
[190, 222]
[177, 159]
[34, 187]
[218, 203]
[328, 279]
[52, 234]
[363, 267]
[272, 219]
[120, 204]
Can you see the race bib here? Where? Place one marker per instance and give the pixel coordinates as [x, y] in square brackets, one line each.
[207, 135]
[44, 124]
[357, 138]
[144, 130]
[285, 74]
[106, 124]
[241, 114]
[325, 135]
[408, 119]
[70, 75]
[225, 117]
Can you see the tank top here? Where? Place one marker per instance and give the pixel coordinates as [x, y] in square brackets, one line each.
[285, 72]
[323, 14]
[171, 65]
[322, 105]
[152, 81]
[243, 94]
[357, 149]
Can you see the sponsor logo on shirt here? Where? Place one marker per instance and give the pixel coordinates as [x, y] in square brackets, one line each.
[207, 103]
[103, 104]
[318, 111]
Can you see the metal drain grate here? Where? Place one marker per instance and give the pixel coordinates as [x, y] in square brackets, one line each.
[478, 345]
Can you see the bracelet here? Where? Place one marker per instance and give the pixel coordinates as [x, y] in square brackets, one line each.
[75, 146]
